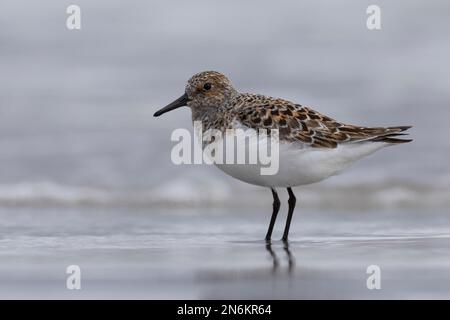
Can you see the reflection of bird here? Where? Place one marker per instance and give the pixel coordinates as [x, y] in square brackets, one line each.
[290, 257]
[312, 146]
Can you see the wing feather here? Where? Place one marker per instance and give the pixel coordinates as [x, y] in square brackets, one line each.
[302, 124]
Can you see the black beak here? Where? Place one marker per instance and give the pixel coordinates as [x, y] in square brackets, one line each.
[180, 102]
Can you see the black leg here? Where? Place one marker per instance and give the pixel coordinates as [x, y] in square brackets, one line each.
[291, 203]
[276, 208]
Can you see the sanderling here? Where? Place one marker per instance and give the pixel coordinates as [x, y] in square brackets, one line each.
[312, 146]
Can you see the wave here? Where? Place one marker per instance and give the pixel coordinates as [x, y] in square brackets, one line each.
[186, 193]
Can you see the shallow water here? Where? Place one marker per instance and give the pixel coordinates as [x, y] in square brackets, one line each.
[130, 253]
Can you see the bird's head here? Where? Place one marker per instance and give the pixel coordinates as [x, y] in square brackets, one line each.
[205, 89]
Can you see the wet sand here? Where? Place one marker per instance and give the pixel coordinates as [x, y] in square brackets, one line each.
[218, 253]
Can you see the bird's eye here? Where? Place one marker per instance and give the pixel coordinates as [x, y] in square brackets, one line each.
[207, 86]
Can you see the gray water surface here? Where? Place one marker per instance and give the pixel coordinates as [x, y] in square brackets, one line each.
[220, 254]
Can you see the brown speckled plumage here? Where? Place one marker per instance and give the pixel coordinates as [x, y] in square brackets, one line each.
[222, 107]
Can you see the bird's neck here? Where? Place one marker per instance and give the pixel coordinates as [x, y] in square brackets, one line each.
[210, 116]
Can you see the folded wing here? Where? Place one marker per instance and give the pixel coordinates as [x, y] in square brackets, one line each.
[302, 124]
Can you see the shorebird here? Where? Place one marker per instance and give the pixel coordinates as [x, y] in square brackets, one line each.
[313, 146]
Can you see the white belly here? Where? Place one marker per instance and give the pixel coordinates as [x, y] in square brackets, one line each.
[300, 166]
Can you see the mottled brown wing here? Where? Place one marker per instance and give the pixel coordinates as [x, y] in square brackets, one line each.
[299, 123]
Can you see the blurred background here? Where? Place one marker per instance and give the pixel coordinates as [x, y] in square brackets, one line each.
[76, 125]
[76, 106]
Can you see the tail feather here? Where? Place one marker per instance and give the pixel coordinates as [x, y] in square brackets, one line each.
[400, 128]
[392, 132]
[391, 140]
